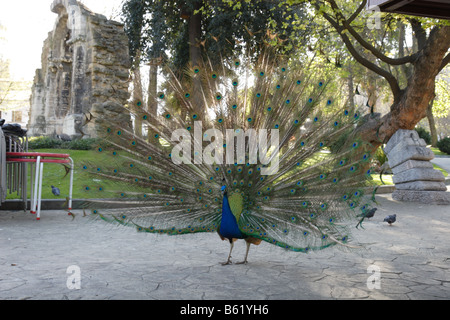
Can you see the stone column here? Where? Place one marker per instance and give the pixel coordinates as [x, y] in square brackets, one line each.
[414, 176]
[79, 83]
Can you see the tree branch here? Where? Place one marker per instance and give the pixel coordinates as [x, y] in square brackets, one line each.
[368, 64]
[377, 53]
[419, 33]
[445, 61]
[357, 12]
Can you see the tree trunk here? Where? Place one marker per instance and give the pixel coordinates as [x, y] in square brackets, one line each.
[195, 55]
[412, 103]
[351, 88]
[401, 49]
[195, 34]
[137, 97]
[152, 102]
[153, 89]
[432, 123]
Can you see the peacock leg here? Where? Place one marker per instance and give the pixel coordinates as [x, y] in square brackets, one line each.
[246, 254]
[229, 256]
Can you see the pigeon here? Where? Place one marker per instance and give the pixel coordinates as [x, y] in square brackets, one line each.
[55, 191]
[390, 219]
[63, 137]
[368, 214]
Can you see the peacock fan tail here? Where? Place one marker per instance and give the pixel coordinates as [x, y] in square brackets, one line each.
[251, 150]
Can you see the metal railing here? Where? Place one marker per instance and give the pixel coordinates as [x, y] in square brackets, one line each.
[13, 176]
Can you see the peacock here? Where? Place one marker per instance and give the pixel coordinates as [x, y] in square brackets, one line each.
[252, 147]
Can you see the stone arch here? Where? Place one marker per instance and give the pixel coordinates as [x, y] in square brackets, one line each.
[76, 17]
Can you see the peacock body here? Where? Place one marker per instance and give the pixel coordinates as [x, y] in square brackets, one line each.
[251, 149]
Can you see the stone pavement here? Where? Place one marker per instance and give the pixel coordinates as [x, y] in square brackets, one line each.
[408, 260]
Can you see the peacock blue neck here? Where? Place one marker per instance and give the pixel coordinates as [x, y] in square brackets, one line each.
[228, 225]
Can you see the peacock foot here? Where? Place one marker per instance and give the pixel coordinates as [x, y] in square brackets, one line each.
[242, 262]
[225, 263]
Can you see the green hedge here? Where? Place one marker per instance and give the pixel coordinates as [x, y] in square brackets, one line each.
[52, 143]
[444, 145]
[424, 134]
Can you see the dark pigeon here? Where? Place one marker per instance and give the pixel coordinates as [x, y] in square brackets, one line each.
[368, 214]
[55, 191]
[390, 219]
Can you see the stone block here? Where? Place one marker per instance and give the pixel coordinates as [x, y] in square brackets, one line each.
[427, 197]
[71, 122]
[403, 152]
[422, 185]
[415, 174]
[409, 164]
[408, 137]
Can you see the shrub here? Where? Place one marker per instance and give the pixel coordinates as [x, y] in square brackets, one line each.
[444, 145]
[52, 143]
[380, 156]
[424, 134]
[44, 143]
[80, 144]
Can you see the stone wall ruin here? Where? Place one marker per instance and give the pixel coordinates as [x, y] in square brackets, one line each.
[85, 68]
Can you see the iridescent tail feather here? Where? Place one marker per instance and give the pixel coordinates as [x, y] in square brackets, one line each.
[317, 191]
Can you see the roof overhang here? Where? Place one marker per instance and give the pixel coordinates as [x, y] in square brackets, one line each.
[439, 9]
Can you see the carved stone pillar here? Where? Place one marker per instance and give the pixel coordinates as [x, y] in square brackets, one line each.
[414, 176]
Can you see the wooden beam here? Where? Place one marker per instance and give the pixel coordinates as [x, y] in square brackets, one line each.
[428, 8]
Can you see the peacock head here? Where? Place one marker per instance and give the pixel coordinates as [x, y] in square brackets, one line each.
[224, 190]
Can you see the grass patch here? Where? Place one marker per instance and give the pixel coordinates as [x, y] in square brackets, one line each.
[55, 174]
[445, 173]
[387, 179]
[438, 152]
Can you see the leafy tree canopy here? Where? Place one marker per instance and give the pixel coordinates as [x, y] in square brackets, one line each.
[227, 27]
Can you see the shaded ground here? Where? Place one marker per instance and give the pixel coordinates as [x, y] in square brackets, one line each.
[413, 257]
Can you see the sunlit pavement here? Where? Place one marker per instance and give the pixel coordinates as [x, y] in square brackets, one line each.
[63, 258]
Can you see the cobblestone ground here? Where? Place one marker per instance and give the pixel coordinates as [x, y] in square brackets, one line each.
[408, 260]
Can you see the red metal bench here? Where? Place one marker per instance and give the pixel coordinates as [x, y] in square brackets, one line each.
[39, 159]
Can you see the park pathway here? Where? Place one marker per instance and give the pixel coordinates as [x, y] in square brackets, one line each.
[43, 260]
